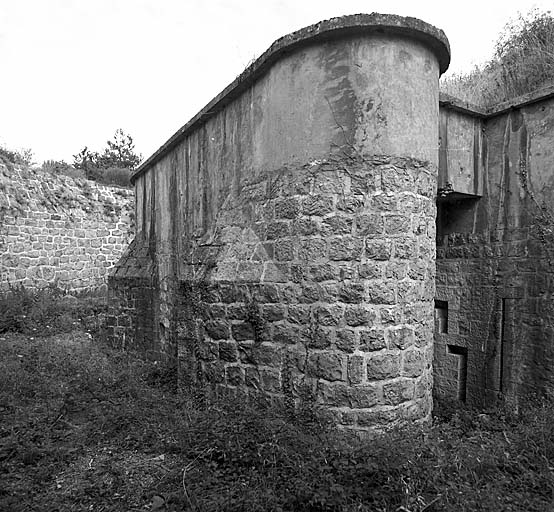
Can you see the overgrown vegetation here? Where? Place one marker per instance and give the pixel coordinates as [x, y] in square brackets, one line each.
[114, 165]
[86, 427]
[62, 167]
[49, 310]
[523, 62]
[10, 157]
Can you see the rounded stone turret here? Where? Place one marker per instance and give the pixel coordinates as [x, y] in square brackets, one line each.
[302, 201]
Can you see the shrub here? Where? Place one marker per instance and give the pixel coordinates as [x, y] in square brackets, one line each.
[523, 62]
[114, 165]
[116, 176]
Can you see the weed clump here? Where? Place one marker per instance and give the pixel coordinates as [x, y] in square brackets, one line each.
[48, 310]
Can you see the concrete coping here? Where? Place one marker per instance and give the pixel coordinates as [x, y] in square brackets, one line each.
[453, 103]
[326, 30]
[522, 101]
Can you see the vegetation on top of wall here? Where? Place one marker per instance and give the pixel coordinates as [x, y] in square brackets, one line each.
[119, 176]
[62, 167]
[523, 62]
[10, 157]
[114, 165]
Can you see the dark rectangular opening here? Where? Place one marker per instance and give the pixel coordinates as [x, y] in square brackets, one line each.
[461, 353]
[455, 214]
[441, 316]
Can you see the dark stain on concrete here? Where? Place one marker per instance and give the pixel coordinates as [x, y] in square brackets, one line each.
[476, 150]
[173, 198]
[506, 175]
[144, 203]
[516, 118]
[205, 181]
[339, 91]
[405, 57]
[152, 242]
[187, 205]
[443, 151]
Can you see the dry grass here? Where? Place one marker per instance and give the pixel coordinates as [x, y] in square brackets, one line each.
[523, 62]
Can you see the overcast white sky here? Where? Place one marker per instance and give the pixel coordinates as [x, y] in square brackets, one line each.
[73, 71]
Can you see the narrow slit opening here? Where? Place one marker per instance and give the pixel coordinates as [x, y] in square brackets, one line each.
[461, 352]
[441, 316]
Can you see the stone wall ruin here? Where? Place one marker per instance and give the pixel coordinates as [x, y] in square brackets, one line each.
[58, 230]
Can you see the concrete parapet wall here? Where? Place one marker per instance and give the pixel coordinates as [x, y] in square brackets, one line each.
[54, 229]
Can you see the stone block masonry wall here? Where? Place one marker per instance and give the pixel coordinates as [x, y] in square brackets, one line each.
[56, 229]
[132, 298]
[329, 287]
[497, 288]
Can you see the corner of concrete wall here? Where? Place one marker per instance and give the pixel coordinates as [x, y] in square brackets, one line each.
[494, 253]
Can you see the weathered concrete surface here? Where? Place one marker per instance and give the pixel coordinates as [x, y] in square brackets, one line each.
[460, 150]
[327, 30]
[494, 252]
[286, 234]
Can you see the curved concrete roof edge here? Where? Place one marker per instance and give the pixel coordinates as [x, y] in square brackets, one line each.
[324, 30]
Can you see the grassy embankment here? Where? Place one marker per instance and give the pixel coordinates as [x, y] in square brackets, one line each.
[522, 63]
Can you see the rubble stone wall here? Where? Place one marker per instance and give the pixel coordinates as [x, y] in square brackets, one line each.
[56, 229]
